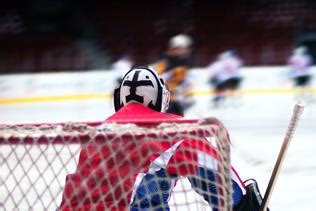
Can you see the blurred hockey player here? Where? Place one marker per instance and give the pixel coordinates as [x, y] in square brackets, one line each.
[299, 64]
[174, 66]
[225, 77]
[121, 66]
[127, 175]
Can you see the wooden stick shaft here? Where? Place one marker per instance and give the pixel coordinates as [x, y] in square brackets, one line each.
[298, 109]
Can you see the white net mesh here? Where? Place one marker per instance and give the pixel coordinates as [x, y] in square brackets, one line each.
[109, 166]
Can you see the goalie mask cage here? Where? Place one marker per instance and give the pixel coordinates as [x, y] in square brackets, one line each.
[36, 159]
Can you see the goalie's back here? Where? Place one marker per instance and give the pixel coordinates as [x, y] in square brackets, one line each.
[128, 173]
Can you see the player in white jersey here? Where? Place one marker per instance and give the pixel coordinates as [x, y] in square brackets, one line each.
[122, 66]
[225, 76]
[299, 64]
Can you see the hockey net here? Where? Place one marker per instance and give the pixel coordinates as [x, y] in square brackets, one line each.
[35, 160]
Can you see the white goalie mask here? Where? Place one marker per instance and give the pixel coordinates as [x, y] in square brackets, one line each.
[142, 85]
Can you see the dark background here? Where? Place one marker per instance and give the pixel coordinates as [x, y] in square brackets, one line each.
[54, 35]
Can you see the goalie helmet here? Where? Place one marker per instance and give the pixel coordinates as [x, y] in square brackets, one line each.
[142, 85]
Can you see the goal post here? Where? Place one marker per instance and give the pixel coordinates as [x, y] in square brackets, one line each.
[36, 159]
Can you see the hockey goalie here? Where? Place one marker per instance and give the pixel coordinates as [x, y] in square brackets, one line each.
[126, 175]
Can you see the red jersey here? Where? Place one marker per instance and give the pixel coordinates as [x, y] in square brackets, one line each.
[131, 175]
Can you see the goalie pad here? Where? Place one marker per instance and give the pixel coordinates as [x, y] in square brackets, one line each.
[252, 200]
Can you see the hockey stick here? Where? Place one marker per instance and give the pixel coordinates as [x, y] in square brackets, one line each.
[298, 109]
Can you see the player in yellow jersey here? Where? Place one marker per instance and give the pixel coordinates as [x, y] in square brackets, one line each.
[174, 66]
